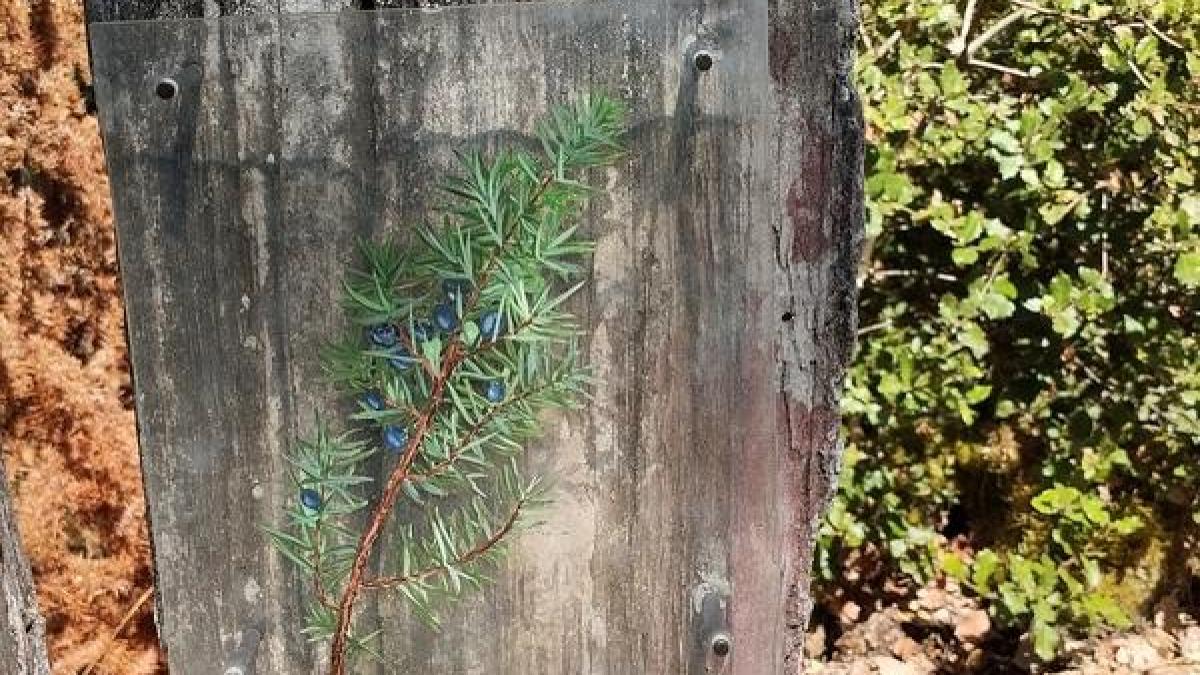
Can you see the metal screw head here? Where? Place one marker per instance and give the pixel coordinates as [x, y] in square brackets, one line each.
[166, 89]
[722, 644]
[704, 60]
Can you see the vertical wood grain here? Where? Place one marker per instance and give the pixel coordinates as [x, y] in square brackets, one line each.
[196, 190]
[22, 629]
[818, 220]
[686, 491]
[101, 11]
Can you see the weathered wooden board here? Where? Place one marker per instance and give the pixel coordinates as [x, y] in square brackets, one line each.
[99, 11]
[720, 311]
[22, 630]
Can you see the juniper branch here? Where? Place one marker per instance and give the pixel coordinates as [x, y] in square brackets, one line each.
[467, 341]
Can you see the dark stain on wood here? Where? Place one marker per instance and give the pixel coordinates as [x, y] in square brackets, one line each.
[782, 47]
[817, 246]
[807, 430]
[810, 241]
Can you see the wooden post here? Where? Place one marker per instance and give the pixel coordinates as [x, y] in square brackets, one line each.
[247, 152]
[22, 630]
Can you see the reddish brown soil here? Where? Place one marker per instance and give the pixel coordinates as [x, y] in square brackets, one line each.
[66, 424]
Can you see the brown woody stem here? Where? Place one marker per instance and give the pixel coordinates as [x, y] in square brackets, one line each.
[391, 492]
[464, 559]
[454, 355]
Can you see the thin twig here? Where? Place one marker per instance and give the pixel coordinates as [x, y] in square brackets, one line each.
[318, 585]
[1034, 7]
[1161, 34]
[1104, 256]
[411, 346]
[995, 29]
[1000, 68]
[1091, 374]
[888, 44]
[885, 274]
[874, 327]
[379, 516]
[121, 625]
[863, 34]
[469, 437]
[958, 45]
[466, 558]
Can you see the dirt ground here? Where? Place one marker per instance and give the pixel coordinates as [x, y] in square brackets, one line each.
[940, 630]
[66, 419]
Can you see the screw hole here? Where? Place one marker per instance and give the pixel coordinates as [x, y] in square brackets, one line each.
[722, 645]
[704, 60]
[787, 316]
[166, 89]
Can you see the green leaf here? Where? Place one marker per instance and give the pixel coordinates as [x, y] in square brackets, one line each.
[996, 306]
[1187, 269]
[965, 256]
[984, 569]
[1055, 500]
[1009, 165]
[1046, 640]
[973, 338]
[979, 393]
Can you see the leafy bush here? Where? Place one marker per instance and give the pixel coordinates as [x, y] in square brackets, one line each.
[1028, 373]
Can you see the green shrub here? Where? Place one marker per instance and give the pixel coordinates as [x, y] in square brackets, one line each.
[1028, 357]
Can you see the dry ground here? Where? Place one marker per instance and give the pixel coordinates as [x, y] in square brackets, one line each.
[66, 420]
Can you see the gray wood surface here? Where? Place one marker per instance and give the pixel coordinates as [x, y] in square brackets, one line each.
[22, 630]
[720, 311]
[818, 196]
[141, 10]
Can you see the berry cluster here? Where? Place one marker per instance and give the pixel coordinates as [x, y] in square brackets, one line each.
[386, 339]
[445, 320]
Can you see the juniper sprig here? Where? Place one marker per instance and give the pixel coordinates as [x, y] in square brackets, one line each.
[458, 343]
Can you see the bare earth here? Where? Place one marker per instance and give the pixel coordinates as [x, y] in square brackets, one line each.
[66, 420]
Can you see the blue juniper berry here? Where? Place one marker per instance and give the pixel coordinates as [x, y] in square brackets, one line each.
[495, 391]
[455, 287]
[383, 335]
[445, 316]
[422, 330]
[401, 359]
[374, 400]
[491, 325]
[395, 438]
[310, 498]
